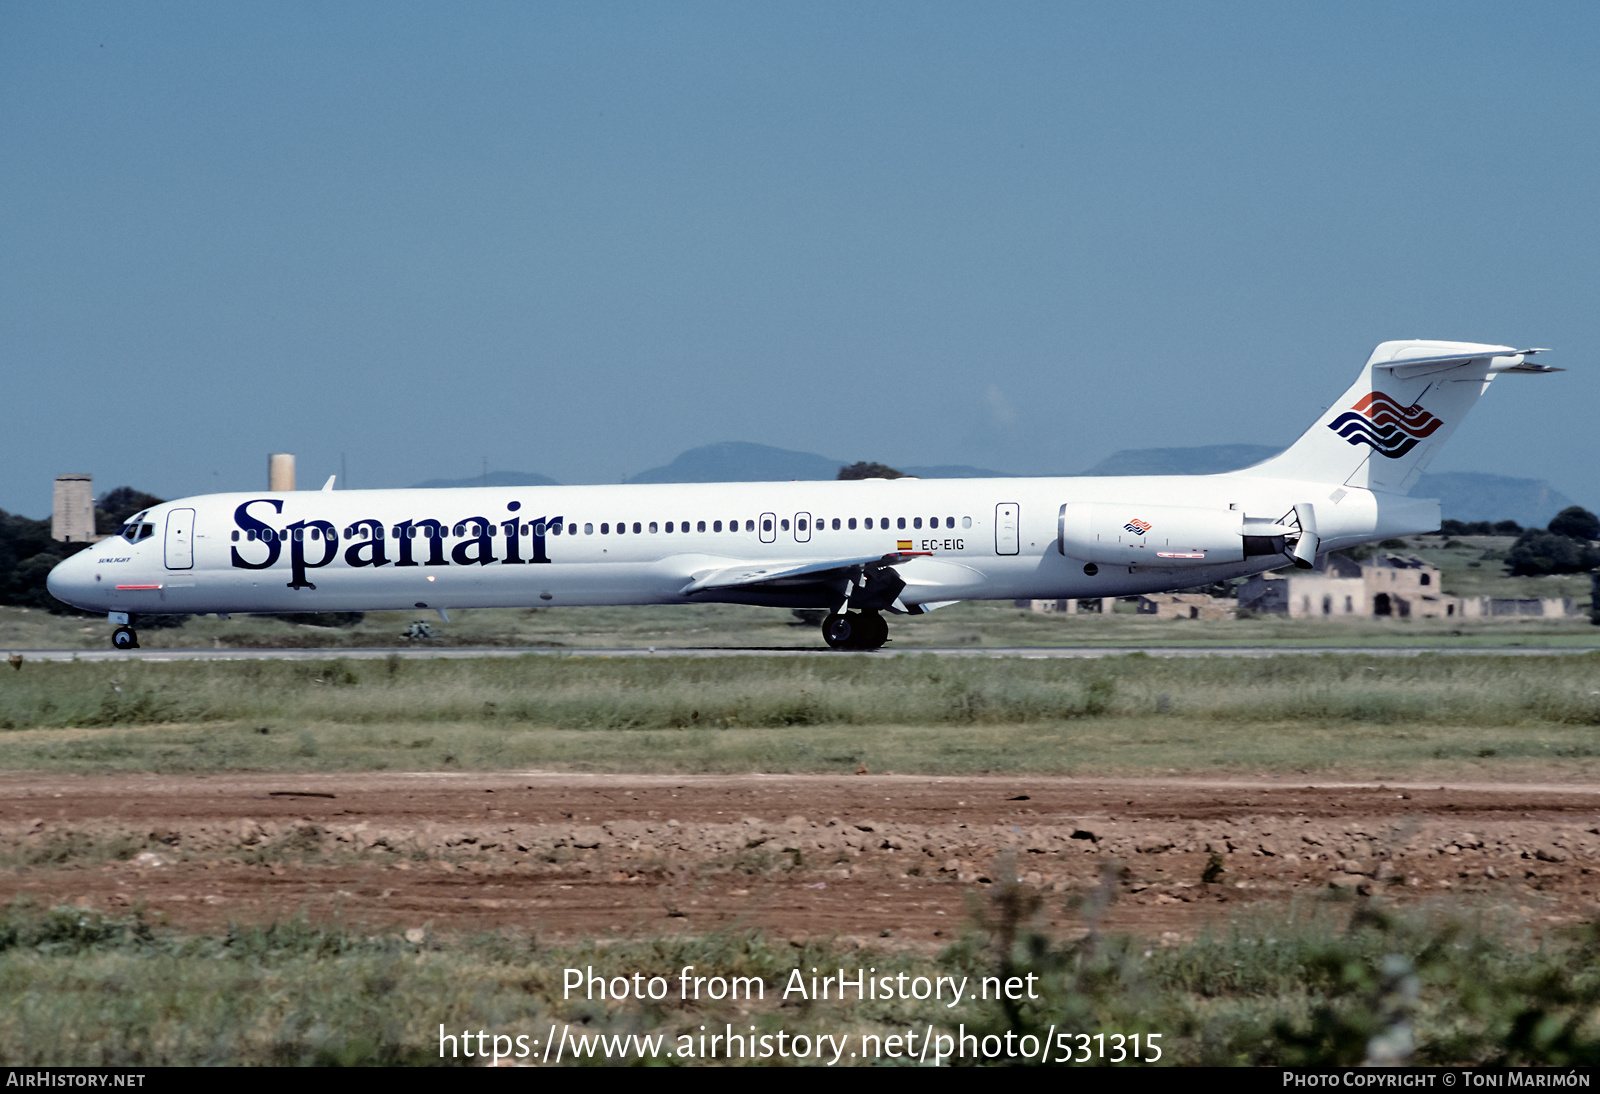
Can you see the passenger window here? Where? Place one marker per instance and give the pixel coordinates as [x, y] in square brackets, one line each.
[539, 528]
[800, 526]
[766, 526]
[635, 527]
[716, 526]
[236, 537]
[867, 524]
[949, 522]
[700, 527]
[851, 523]
[749, 526]
[605, 529]
[835, 524]
[652, 528]
[588, 529]
[784, 524]
[916, 522]
[966, 522]
[901, 522]
[555, 529]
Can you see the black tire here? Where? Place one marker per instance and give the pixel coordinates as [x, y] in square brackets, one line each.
[873, 631]
[123, 638]
[838, 631]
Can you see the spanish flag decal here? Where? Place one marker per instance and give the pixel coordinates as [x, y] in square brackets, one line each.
[905, 545]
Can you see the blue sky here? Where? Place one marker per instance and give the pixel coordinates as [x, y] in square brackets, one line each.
[577, 239]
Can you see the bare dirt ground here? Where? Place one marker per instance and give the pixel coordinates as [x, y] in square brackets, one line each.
[871, 857]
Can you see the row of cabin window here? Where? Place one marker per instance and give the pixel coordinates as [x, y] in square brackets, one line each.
[801, 524]
[364, 531]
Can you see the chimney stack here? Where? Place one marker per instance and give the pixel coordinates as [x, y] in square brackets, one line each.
[280, 471]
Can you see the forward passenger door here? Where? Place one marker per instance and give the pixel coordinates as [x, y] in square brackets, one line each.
[180, 539]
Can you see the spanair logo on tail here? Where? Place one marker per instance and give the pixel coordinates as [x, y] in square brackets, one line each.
[1390, 429]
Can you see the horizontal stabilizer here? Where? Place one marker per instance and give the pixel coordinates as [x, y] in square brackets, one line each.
[1501, 359]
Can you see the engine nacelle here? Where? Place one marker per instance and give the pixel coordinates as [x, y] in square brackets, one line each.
[1162, 537]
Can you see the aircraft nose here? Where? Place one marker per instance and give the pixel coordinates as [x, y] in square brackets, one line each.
[72, 580]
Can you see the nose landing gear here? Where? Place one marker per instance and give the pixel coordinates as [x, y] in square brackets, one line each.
[124, 638]
[855, 631]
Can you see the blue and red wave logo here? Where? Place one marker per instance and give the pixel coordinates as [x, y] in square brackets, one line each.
[1390, 429]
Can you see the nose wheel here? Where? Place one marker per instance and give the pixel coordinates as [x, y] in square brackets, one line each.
[123, 638]
[855, 631]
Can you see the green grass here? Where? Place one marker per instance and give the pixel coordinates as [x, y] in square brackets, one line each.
[1323, 985]
[916, 713]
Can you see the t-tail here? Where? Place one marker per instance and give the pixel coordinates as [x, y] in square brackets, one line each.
[1384, 431]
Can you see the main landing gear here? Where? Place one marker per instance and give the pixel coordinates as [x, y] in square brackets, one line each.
[855, 631]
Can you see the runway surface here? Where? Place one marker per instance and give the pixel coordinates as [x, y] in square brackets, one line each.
[1022, 652]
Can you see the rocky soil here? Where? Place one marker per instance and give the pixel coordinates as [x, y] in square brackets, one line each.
[866, 857]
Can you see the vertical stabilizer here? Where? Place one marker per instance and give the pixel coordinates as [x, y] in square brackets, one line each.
[1384, 431]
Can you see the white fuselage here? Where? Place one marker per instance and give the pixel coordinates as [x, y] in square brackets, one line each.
[993, 539]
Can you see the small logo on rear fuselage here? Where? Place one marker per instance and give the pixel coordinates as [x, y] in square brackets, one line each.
[1137, 527]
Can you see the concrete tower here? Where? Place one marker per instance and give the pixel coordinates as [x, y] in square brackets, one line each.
[280, 471]
[72, 518]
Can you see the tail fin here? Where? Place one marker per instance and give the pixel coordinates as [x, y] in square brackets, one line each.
[1384, 431]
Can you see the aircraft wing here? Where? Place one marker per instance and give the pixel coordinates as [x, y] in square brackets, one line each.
[758, 575]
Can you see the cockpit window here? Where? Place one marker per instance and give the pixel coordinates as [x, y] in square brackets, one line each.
[134, 531]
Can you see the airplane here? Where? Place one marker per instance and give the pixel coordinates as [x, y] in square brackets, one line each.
[856, 549]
